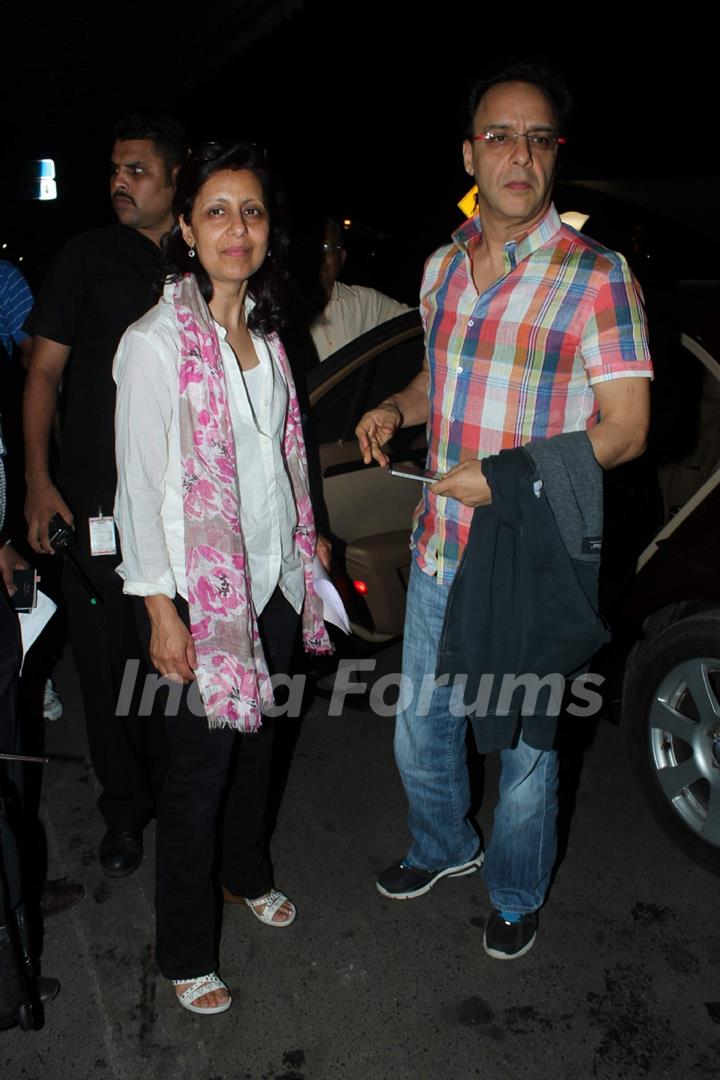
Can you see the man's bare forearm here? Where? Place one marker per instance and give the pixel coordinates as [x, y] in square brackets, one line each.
[614, 445]
[43, 500]
[413, 403]
[39, 405]
[625, 417]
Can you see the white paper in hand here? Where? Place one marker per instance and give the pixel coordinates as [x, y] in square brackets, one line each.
[333, 608]
[32, 623]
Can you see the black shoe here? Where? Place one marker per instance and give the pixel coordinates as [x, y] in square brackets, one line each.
[401, 881]
[47, 988]
[59, 896]
[120, 853]
[508, 940]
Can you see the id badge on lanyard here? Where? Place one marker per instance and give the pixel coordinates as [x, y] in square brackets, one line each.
[102, 534]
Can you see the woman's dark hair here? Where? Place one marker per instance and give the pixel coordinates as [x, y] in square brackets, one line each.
[268, 285]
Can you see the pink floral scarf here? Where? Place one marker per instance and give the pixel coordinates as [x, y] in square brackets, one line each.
[232, 673]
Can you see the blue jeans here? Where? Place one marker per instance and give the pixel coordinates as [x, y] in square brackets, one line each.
[431, 755]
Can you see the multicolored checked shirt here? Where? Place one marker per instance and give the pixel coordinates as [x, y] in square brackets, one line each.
[517, 362]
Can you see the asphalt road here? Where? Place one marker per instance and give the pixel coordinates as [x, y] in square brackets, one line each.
[622, 982]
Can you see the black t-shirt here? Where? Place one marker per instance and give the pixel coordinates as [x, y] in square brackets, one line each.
[99, 283]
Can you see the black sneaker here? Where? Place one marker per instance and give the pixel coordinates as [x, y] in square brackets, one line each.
[508, 940]
[401, 881]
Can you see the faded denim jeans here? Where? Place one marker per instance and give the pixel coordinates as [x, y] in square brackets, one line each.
[431, 755]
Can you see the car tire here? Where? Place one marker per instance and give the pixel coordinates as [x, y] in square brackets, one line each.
[671, 716]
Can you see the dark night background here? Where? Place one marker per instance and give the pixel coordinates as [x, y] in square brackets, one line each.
[361, 107]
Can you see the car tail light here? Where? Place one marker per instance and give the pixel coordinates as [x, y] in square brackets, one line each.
[361, 587]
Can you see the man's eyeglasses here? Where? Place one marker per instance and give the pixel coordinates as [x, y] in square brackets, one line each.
[546, 142]
[332, 247]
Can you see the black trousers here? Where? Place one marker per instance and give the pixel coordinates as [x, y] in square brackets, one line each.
[128, 753]
[213, 775]
[11, 775]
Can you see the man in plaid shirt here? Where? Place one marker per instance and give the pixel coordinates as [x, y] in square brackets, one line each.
[531, 331]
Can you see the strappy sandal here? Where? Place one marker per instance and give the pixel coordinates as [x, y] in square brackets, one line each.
[266, 907]
[203, 984]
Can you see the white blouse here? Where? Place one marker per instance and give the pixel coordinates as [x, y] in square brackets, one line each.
[148, 501]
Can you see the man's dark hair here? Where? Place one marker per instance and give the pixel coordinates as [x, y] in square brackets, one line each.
[268, 285]
[551, 84]
[333, 225]
[167, 133]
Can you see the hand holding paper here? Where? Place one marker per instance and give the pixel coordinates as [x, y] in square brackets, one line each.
[333, 608]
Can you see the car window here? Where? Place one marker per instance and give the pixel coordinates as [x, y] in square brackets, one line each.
[362, 374]
[335, 411]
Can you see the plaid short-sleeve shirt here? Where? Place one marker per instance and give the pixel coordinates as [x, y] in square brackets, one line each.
[518, 362]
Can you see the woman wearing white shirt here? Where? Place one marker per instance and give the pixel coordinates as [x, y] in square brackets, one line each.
[217, 538]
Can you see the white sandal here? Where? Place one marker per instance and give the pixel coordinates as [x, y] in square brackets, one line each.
[203, 984]
[270, 904]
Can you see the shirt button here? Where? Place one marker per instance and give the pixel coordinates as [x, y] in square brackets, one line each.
[471, 322]
[460, 370]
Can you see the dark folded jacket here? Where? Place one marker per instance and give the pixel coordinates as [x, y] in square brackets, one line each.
[524, 600]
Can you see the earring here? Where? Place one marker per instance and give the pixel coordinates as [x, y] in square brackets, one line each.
[191, 253]
[269, 252]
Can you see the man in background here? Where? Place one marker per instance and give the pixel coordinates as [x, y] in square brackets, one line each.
[15, 304]
[350, 310]
[100, 283]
